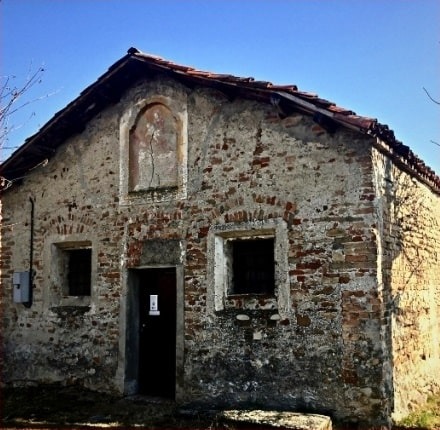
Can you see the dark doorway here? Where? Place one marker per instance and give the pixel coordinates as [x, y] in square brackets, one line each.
[157, 332]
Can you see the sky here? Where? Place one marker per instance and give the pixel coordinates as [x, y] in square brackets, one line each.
[371, 56]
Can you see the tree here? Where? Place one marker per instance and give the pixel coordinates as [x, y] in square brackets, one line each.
[12, 99]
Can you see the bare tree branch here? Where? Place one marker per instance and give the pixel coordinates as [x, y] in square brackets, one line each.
[431, 98]
[11, 96]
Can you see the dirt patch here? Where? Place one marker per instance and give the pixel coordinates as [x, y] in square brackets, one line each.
[75, 407]
[59, 407]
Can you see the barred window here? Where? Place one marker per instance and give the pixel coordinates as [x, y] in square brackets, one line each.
[79, 271]
[253, 266]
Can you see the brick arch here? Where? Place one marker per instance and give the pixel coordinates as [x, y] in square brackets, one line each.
[268, 207]
[71, 224]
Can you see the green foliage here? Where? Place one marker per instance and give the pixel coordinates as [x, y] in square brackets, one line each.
[427, 417]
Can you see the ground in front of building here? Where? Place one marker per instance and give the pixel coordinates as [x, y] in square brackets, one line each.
[54, 406]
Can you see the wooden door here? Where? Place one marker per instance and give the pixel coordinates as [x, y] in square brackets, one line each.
[157, 332]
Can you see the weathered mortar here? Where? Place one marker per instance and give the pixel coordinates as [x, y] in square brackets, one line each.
[231, 194]
[409, 255]
[51, 342]
[325, 350]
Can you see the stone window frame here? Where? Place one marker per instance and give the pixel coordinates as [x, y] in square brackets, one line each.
[178, 108]
[56, 251]
[219, 276]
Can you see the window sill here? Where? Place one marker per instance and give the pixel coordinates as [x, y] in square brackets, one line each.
[251, 302]
[75, 301]
[247, 295]
[153, 191]
[63, 311]
[152, 195]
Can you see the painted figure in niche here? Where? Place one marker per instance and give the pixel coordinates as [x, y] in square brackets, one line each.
[153, 149]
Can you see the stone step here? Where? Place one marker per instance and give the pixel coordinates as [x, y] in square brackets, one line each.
[277, 419]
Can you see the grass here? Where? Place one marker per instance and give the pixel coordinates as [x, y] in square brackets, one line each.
[427, 417]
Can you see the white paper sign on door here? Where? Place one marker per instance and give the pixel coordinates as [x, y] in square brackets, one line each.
[154, 305]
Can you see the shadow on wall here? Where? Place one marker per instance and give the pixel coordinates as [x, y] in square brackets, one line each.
[409, 269]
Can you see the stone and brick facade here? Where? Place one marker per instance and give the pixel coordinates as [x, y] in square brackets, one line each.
[170, 174]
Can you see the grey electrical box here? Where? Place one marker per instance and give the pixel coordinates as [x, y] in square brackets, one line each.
[21, 287]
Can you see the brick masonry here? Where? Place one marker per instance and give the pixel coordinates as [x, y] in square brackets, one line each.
[352, 333]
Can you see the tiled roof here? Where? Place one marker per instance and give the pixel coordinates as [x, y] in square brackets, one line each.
[137, 65]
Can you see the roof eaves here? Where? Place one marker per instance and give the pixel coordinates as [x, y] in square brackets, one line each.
[84, 108]
[79, 103]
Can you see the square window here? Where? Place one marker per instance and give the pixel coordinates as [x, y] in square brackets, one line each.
[248, 265]
[79, 269]
[72, 270]
[253, 266]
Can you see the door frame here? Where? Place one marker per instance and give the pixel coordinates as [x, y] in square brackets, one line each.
[132, 322]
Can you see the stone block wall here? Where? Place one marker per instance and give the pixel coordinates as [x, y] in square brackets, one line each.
[409, 257]
[325, 348]
[75, 195]
[319, 344]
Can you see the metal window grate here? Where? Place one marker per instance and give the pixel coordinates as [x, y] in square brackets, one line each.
[79, 272]
[253, 266]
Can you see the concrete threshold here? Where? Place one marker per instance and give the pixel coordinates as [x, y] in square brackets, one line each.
[284, 420]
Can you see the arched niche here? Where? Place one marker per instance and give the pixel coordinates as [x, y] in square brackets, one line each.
[153, 149]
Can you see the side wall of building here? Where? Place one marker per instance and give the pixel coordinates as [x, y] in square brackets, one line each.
[409, 262]
[317, 344]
